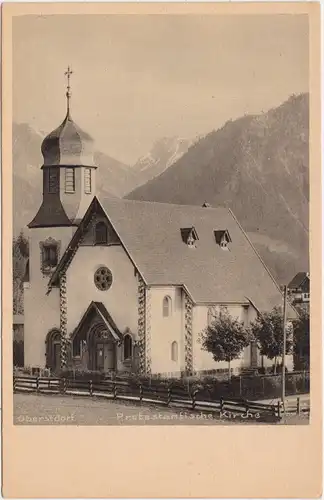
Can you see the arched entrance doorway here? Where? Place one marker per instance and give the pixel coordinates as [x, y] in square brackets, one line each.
[53, 350]
[102, 349]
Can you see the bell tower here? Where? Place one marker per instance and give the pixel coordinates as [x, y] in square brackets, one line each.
[68, 188]
[68, 173]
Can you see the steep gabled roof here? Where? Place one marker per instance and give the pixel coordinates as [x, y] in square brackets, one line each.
[150, 233]
[298, 280]
[101, 312]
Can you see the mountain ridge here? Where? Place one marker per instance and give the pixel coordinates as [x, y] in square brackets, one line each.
[258, 166]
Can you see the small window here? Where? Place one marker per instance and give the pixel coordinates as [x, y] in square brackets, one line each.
[167, 306]
[246, 315]
[53, 180]
[128, 346]
[70, 180]
[174, 351]
[223, 239]
[101, 236]
[211, 315]
[77, 347]
[50, 256]
[87, 180]
[103, 278]
[189, 236]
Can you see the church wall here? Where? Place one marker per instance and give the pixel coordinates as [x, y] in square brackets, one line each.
[203, 360]
[121, 298]
[42, 312]
[165, 330]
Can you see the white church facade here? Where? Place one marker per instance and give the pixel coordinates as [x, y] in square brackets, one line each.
[128, 285]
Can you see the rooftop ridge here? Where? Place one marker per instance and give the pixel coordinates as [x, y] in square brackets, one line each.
[146, 202]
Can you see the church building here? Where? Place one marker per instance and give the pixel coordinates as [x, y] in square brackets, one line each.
[128, 285]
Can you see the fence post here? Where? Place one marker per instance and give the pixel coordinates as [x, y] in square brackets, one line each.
[63, 386]
[90, 387]
[141, 392]
[193, 397]
[240, 385]
[279, 409]
[221, 405]
[115, 389]
[169, 395]
[298, 405]
[14, 383]
[37, 384]
[263, 394]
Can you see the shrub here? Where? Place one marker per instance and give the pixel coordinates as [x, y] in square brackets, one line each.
[80, 374]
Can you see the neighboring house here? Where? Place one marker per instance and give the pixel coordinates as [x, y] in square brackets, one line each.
[127, 285]
[299, 289]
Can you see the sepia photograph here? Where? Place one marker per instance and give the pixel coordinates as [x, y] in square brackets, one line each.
[161, 250]
[160, 220]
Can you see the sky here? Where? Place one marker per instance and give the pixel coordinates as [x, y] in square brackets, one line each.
[137, 78]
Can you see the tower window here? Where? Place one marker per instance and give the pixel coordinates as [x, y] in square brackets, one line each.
[53, 180]
[174, 351]
[167, 306]
[87, 180]
[101, 234]
[128, 346]
[69, 180]
[50, 256]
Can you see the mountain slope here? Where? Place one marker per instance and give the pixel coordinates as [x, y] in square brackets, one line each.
[257, 166]
[163, 154]
[113, 179]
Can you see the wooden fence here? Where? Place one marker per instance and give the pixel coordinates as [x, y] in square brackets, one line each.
[143, 393]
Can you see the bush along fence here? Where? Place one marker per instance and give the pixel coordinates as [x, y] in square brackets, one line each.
[170, 395]
[214, 386]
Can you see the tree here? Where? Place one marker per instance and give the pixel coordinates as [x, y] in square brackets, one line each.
[267, 330]
[225, 338]
[20, 252]
[301, 340]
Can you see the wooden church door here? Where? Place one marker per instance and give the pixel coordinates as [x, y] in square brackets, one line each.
[105, 356]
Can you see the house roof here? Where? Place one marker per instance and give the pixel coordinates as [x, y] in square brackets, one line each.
[298, 280]
[151, 234]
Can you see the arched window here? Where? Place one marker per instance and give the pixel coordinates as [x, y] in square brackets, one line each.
[167, 306]
[128, 346]
[174, 351]
[101, 234]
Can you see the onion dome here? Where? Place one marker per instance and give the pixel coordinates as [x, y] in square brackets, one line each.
[68, 144]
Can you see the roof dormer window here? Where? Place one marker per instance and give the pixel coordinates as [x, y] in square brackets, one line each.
[189, 236]
[223, 239]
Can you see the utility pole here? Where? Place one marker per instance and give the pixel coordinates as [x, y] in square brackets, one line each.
[284, 349]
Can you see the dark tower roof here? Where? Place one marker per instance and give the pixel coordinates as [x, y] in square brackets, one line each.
[68, 144]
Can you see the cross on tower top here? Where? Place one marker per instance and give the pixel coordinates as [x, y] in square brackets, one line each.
[68, 74]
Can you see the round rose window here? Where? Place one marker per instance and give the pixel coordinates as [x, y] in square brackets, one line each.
[103, 278]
